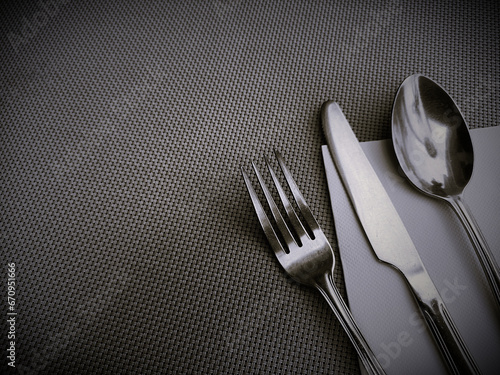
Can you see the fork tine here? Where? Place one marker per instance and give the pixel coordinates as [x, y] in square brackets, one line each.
[292, 215]
[282, 226]
[301, 202]
[263, 219]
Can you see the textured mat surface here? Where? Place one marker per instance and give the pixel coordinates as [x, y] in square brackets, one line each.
[123, 128]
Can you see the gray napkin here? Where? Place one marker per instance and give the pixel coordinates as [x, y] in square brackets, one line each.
[378, 296]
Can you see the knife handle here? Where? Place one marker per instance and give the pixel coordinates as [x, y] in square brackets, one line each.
[447, 337]
[332, 295]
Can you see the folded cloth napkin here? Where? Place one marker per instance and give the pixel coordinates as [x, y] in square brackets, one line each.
[377, 294]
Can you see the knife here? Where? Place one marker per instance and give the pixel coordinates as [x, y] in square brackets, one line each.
[388, 236]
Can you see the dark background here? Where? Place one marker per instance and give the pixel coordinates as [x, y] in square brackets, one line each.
[123, 128]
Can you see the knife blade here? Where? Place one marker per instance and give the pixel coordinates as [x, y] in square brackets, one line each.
[388, 236]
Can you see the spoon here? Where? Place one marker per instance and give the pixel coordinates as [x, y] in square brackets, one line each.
[434, 149]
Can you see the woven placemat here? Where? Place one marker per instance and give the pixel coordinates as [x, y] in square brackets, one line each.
[123, 128]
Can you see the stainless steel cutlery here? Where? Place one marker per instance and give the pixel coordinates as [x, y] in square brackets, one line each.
[420, 123]
[305, 253]
[388, 236]
[433, 146]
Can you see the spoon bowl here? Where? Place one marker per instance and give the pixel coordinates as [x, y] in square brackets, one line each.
[433, 146]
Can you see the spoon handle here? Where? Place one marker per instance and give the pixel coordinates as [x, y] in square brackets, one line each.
[483, 252]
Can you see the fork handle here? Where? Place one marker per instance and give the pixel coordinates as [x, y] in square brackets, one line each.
[332, 295]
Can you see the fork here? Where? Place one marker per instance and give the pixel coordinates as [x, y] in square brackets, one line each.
[305, 253]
